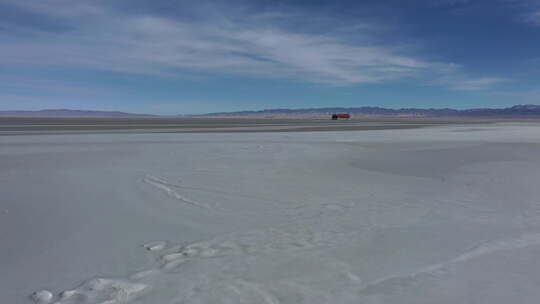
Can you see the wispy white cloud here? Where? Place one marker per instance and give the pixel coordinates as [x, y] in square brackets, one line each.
[151, 44]
[476, 84]
[526, 11]
[533, 18]
[47, 86]
[62, 8]
[454, 77]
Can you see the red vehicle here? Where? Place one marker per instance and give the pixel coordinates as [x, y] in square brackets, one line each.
[341, 116]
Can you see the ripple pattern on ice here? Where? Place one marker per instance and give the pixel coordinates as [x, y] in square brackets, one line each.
[263, 245]
[98, 291]
[168, 188]
[42, 296]
[208, 286]
[251, 243]
[155, 246]
[523, 241]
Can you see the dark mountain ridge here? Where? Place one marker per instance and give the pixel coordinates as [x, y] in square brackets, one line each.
[69, 113]
[518, 110]
[514, 111]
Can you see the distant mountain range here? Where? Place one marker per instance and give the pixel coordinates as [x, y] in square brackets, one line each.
[68, 113]
[515, 111]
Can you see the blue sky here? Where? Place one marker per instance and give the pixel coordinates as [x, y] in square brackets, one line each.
[184, 57]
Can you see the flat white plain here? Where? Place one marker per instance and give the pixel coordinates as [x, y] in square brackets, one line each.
[434, 215]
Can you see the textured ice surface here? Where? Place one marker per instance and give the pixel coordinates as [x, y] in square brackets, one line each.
[155, 245]
[436, 215]
[42, 296]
